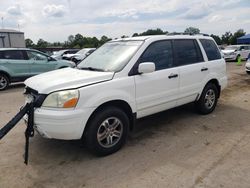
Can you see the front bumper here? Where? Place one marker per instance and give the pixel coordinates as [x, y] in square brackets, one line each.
[61, 124]
[229, 57]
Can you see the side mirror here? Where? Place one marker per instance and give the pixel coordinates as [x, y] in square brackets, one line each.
[50, 59]
[146, 67]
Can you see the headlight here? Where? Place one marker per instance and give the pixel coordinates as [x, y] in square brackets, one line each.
[232, 53]
[62, 99]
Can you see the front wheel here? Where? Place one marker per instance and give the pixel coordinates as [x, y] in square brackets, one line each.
[4, 82]
[208, 99]
[107, 131]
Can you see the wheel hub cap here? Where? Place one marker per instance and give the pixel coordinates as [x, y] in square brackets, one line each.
[110, 132]
[210, 99]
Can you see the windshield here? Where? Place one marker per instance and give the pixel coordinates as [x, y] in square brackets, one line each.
[112, 56]
[231, 48]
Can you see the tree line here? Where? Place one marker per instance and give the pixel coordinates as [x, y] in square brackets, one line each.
[80, 41]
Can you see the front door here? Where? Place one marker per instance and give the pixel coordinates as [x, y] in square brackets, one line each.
[39, 63]
[157, 91]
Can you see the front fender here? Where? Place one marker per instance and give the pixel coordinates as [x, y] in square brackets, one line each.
[100, 93]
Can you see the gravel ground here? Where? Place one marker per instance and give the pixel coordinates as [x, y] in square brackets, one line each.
[175, 148]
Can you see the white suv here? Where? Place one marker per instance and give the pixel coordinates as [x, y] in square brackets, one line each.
[125, 80]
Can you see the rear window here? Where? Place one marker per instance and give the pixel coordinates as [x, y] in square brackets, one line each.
[211, 49]
[187, 51]
[13, 54]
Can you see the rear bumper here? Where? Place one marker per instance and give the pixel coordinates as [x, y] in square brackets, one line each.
[223, 82]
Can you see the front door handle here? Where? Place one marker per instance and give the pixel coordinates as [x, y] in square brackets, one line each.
[204, 69]
[172, 75]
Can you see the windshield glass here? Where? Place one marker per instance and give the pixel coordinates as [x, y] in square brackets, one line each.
[112, 56]
[231, 48]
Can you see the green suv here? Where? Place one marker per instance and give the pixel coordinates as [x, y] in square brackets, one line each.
[17, 64]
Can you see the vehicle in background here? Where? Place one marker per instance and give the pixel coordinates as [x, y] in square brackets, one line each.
[18, 64]
[80, 55]
[59, 54]
[233, 52]
[248, 65]
[124, 80]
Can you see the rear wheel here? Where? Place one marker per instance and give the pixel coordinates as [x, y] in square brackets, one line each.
[208, 99]
[4, 82]
[107, 131]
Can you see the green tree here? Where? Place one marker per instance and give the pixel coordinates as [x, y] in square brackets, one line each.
[157, 31]
[237, 34]
[29, 43]
[225, 38]
[42, 43]
[192, 30]
[216, 38]
[103, 40]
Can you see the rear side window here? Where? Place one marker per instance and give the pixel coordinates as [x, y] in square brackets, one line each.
[13, 54]
[211, 49]
[160, 53]
[1, 55]
[187, 52]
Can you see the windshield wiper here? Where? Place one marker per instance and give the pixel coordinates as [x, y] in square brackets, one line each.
[91, 69]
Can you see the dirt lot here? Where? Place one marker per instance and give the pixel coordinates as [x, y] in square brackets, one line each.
[176, 148]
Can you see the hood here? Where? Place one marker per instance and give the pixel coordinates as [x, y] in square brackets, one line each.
[68, 55]
[66, 78]
[227, 51]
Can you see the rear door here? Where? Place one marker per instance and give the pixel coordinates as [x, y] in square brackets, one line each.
[39, 62]
[16, 63]
[192, 69]
[157, 91]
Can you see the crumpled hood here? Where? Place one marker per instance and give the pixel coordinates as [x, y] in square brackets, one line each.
[66, 78]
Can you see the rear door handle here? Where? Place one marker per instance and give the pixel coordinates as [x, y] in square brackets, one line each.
[204, 69]
[172, 75]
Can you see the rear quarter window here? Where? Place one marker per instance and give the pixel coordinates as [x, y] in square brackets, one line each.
[211, 49]
[1, 55]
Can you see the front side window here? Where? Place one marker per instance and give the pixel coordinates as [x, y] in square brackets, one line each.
[112, 56]
[211, 49]
[160, 53]
[13, 54]
[36, 56]
[187, 52]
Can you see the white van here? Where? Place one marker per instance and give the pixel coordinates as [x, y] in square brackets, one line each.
[122, 81]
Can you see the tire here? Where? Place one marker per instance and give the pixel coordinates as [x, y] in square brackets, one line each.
[248, 72]
[208, 99]
[4, 82]
[107, 131]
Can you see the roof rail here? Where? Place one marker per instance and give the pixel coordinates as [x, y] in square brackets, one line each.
[182, 33]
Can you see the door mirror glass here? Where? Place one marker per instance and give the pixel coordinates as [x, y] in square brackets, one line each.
[146, 67]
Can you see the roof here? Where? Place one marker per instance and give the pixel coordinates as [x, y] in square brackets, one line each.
[143, 38]
[245, 37]
[9, 31]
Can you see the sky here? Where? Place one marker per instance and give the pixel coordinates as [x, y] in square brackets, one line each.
[55, 20]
